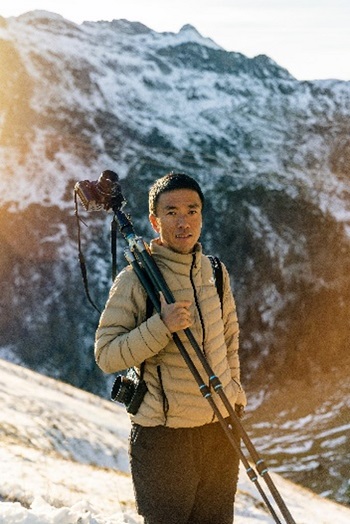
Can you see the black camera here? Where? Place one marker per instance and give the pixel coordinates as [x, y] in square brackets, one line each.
[130, 390]
[105, 193]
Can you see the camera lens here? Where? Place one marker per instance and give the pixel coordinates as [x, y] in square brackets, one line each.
[122, 390]
[108, 183]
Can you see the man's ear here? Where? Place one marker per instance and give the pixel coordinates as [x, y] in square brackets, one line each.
[154, 223]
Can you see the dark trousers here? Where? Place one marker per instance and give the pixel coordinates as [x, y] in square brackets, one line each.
[185, 475]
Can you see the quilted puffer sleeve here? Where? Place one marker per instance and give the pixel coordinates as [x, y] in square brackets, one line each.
[123, 338]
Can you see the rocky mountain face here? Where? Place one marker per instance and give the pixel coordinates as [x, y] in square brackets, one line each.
[272, 154]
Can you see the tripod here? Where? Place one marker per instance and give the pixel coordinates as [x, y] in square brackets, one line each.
[138, 255]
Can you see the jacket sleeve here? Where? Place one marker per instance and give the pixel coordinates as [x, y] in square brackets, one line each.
[123, 338]
[231, 333]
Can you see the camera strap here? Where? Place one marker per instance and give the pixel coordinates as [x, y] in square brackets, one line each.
[142, 369]
[81, 256]
[149, 312]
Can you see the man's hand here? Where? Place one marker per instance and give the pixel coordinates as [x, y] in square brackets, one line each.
[175, 316]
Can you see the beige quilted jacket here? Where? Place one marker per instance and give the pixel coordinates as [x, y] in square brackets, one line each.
[124, 339]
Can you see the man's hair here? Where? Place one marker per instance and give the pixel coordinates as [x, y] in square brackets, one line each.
[171, 182]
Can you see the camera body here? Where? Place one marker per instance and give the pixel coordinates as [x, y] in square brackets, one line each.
[130, 390]
[105, 193]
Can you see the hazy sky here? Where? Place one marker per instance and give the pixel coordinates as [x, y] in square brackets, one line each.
[311, 38]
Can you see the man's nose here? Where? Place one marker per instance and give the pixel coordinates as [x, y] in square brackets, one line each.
[182, 221]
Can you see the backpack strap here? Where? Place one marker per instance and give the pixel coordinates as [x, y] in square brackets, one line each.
[218, 276]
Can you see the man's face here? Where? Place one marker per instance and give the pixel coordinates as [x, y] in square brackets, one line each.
[178, 220]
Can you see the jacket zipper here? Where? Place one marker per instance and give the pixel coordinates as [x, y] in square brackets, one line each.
[196, 300]
[200, 316]
[164, 397]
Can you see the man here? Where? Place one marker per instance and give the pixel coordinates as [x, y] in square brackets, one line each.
[184, 468]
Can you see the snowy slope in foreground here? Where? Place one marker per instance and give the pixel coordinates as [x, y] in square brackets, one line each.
[63, 455]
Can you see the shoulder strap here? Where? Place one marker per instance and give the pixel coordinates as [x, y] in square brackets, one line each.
[218, 276]
[149, 312]
[149, 307]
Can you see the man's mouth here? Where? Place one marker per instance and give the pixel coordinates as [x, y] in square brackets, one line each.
[188, 235]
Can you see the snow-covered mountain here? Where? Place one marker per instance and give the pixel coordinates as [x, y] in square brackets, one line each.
[273, 156]
[64, 461]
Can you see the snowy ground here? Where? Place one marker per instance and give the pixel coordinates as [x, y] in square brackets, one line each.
[64, 461]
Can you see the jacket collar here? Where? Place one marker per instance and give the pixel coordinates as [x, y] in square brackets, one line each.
[177, 261]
